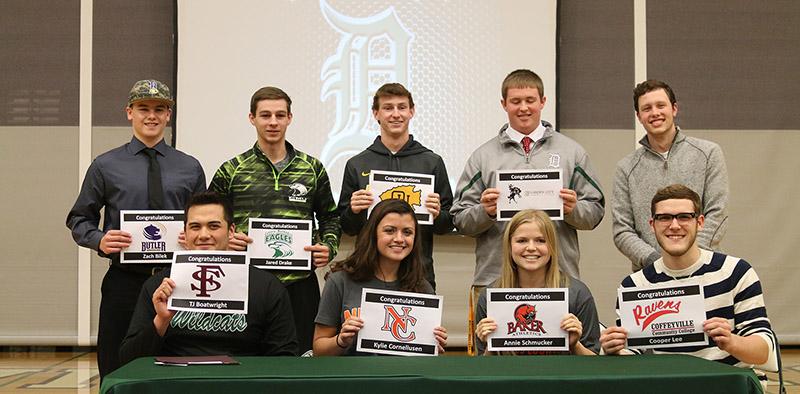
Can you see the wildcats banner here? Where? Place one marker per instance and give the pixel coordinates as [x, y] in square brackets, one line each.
[664, 316]
[399, 323]
[528, 319]
[279, 243]
[154, 235]
[412, 188]
[529, 189]
[210, 281]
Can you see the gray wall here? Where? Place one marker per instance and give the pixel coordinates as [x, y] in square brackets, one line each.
[39, 159]
[38, 168]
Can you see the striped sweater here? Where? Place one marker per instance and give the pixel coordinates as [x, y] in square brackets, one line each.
[732, 291]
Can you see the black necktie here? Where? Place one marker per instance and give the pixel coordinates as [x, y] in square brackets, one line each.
[155, 193]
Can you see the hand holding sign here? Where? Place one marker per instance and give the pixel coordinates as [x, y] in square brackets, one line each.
[573, 326]
[320, 254]
[361, 200]
[484, 328]
[433, 205]
[114, 241]
[613, 340]
[440, 333]
[719, 329]
[239, 242]
[160, 304]
[489, 201]
[570, 199]
[750, 349]
[350, 329]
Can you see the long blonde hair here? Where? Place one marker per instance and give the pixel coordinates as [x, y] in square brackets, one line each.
[553, 276]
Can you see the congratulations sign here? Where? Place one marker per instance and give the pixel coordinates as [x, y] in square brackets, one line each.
[664, 316]
[154, 235]
[210, 281]
[278, 244]
[529, 189]
[406, 186]
[528, 319]
[399, 323]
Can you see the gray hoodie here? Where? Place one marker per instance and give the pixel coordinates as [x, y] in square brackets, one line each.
[695, 163]
[553, 150]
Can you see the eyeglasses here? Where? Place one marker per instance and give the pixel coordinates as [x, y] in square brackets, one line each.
[667, 218]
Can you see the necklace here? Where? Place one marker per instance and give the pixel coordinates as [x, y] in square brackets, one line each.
[382, 278]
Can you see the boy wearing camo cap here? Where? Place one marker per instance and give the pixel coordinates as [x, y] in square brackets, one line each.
[144, 173]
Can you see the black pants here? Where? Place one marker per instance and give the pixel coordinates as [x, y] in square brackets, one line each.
[120, 291]
[305, 303]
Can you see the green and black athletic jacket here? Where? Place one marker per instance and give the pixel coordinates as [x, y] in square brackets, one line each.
[302, 190]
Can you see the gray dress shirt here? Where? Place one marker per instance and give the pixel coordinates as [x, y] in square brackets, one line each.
[117, 180]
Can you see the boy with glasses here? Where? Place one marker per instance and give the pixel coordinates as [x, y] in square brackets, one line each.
[737, 325]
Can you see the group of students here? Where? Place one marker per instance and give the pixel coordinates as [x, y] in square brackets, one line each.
[392, 251]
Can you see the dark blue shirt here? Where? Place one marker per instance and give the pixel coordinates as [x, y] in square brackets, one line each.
[117, 180]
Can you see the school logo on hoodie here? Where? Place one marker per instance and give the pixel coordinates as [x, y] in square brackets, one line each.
[298, 192]
[554, 160]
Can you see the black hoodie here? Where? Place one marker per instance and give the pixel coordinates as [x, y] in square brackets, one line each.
[412, 157]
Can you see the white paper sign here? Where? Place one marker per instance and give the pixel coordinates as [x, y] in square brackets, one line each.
[279, 243]
[399, 323]
[210, 281]
[410, 187]
[154, 235]
[663, 316]
[529, 189]
[527, 319]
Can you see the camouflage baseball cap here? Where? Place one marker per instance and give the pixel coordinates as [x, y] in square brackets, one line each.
[150, 89]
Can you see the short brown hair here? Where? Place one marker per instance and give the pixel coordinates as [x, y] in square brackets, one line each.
[649, 86]
[269, 93]
[389, 90]
[522, 78]
[209, 198]
[675, 192]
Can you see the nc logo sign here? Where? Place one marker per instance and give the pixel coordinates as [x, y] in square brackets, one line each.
[399, 324]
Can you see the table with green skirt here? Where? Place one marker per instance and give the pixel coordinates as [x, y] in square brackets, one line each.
[454, 374]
